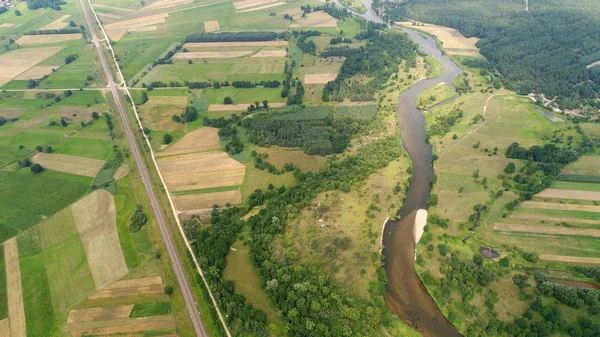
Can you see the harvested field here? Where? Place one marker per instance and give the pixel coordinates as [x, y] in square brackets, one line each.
[569, 194]
[69, 164]
[270, 53]
[211, 54]
[201, 170]
[121, 172]
[118, 9]
[162, 4]
[121, 326]
[105, 16]
[16, 310]
[7, 25]
[262, 7]
[316, 19]
[58, 23]
[99, 314]
[36, 72]
[49, 38]
[16, 62]
[116, 35]
[572, 259]
[142, 286]
[279, 156]
[203, 139]
[318, 78]
[563, 207]
[551, 219]
[143, 29]
[211, 26]
[95, 218]
[206, 200]
[238, 107]
[453, 41]
[251, 3]
[138, 22]
[5, 328]
[553, 230]
[237, 44]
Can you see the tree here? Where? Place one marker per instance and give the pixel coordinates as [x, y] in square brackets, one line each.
[49, 149]
[95, 115]
[67, 93]
[510, 168]
[168, 290]
[89, 78]
[531, 257]
[265, 104]
[190, 114]
[31, 84]
[189, 61]
[18, 12]
[227, 100]
[70, 58]
[36, 168]
[504, 262]
[63, 122]
[167, 139]
[72, 23]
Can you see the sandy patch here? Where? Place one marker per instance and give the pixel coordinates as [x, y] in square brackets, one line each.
[563, 207]
[452, 40]
[121, 326]
[206, 200]
[316, 19]
[36, 72]
[211, 54]
[262, 7]
[238, 107]
[588, 66]
[251, 3]
[16, 62]
[270, 53]
[551, 219]
[5, 328]
[121, 172]
[419, 225]
[237, 44]
[69, 164]
[319, 78]
[573, 259]
[96, 221]
[201, 170]
[211, 26]
[569, 194]
[58, 23]
[554, 230]
[142, 286]
[99, 314]
[49, 38]
[203, 139]
[7, 25]
[14, 290]
[118, 9]
[116, 35]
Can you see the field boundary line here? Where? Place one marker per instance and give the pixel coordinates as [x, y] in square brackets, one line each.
[174, 211]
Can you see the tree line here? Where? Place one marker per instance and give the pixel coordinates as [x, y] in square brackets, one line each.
[236, 36]
[53, 4]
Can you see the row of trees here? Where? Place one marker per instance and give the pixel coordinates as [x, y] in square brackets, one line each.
[54, 4]
[307, 47]
[236, 36]
[54, 31]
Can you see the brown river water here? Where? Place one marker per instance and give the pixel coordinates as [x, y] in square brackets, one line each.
[406, 295]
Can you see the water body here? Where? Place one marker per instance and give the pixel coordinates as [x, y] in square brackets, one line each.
[406, 295]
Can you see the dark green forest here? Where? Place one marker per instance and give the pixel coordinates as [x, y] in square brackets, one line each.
[545, 50]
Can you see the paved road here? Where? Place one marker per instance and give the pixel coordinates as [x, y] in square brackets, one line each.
[188, 296]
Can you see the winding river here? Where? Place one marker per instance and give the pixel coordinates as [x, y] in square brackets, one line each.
[406, 295]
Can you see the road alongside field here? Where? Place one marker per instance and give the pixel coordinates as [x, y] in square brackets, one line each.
[182, 280]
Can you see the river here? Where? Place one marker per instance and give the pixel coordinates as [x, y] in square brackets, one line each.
[406, 295]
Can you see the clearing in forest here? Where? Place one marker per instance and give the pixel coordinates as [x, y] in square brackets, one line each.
[58, 23]
[16, 62]
[69, 164]
[48, 38]
[201, 170]
[16, 309]
[203, 139]
[553, 230]
[211, 26]
[192, 202]
[569, 194]
[316, 19]
[95, 218]
[319, 78]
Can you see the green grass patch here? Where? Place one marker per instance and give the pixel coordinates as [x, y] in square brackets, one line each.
[26, 197]
[167, 92]
[207, 190]
[244, 95]
[434, 95]
[580, 186]
[131, 243]
[80, 146]
[150, 309]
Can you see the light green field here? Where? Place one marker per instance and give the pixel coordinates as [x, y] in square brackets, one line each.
[244, 95]
[434, 95]
[567, 185]
[36, 19]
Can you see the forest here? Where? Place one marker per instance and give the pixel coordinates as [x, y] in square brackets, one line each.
[545, 50]
[54, 4]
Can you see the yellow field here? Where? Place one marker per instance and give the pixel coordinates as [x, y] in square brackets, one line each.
[125, 326]
[564, 207]
[97, 314]
[44, 39]
[203, 139]
[163, 4]
[211, 54]
[319, 78]
[16, 62]
[58, 23]
[118, 9]
[142, 286]
[96, 221]
[211, 26]
[251, 3]
[69, 164]
[192, 202]
[270, 53]
[316, 19]
[201, 170]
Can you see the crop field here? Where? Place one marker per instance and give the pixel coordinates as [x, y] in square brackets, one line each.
[203, 139]
[158, 111]
[16, 62]
[69, 164]
[279, 156]
[315, 19]
[586, 165]
[244, 95]
[205, 201]
[46, 39]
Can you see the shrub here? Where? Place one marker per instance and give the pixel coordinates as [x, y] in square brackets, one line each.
[167, 139]
[36, 168]
[510, 168]
[168, 290]
[138, 219]
[227, 100]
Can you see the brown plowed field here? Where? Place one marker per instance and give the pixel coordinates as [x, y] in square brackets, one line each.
[206, 200]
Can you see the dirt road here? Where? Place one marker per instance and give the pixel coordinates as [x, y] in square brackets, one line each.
[182, 280]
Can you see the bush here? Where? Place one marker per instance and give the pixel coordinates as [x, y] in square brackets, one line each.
[70, 58]
[168, 290]
[227, 100]
[504, 262]
[36, 168]
[138, 219]
[510, 168]
[167, 139]
[531, 257]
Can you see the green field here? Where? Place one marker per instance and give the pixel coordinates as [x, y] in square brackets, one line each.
[244, 95]
[150, 309]
[567, 185]
[26, 197]
[434, 95]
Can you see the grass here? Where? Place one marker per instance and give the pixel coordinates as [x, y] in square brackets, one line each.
[136, 55]
[566, 185]
[26, 197]
[150, 309]
[241, 273]
[245, 95]
[434, 95]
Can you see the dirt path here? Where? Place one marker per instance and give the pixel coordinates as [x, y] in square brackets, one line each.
[16, 310]
[482, 124]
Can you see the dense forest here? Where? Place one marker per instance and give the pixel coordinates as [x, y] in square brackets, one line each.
[545, 50]
[54, 4]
